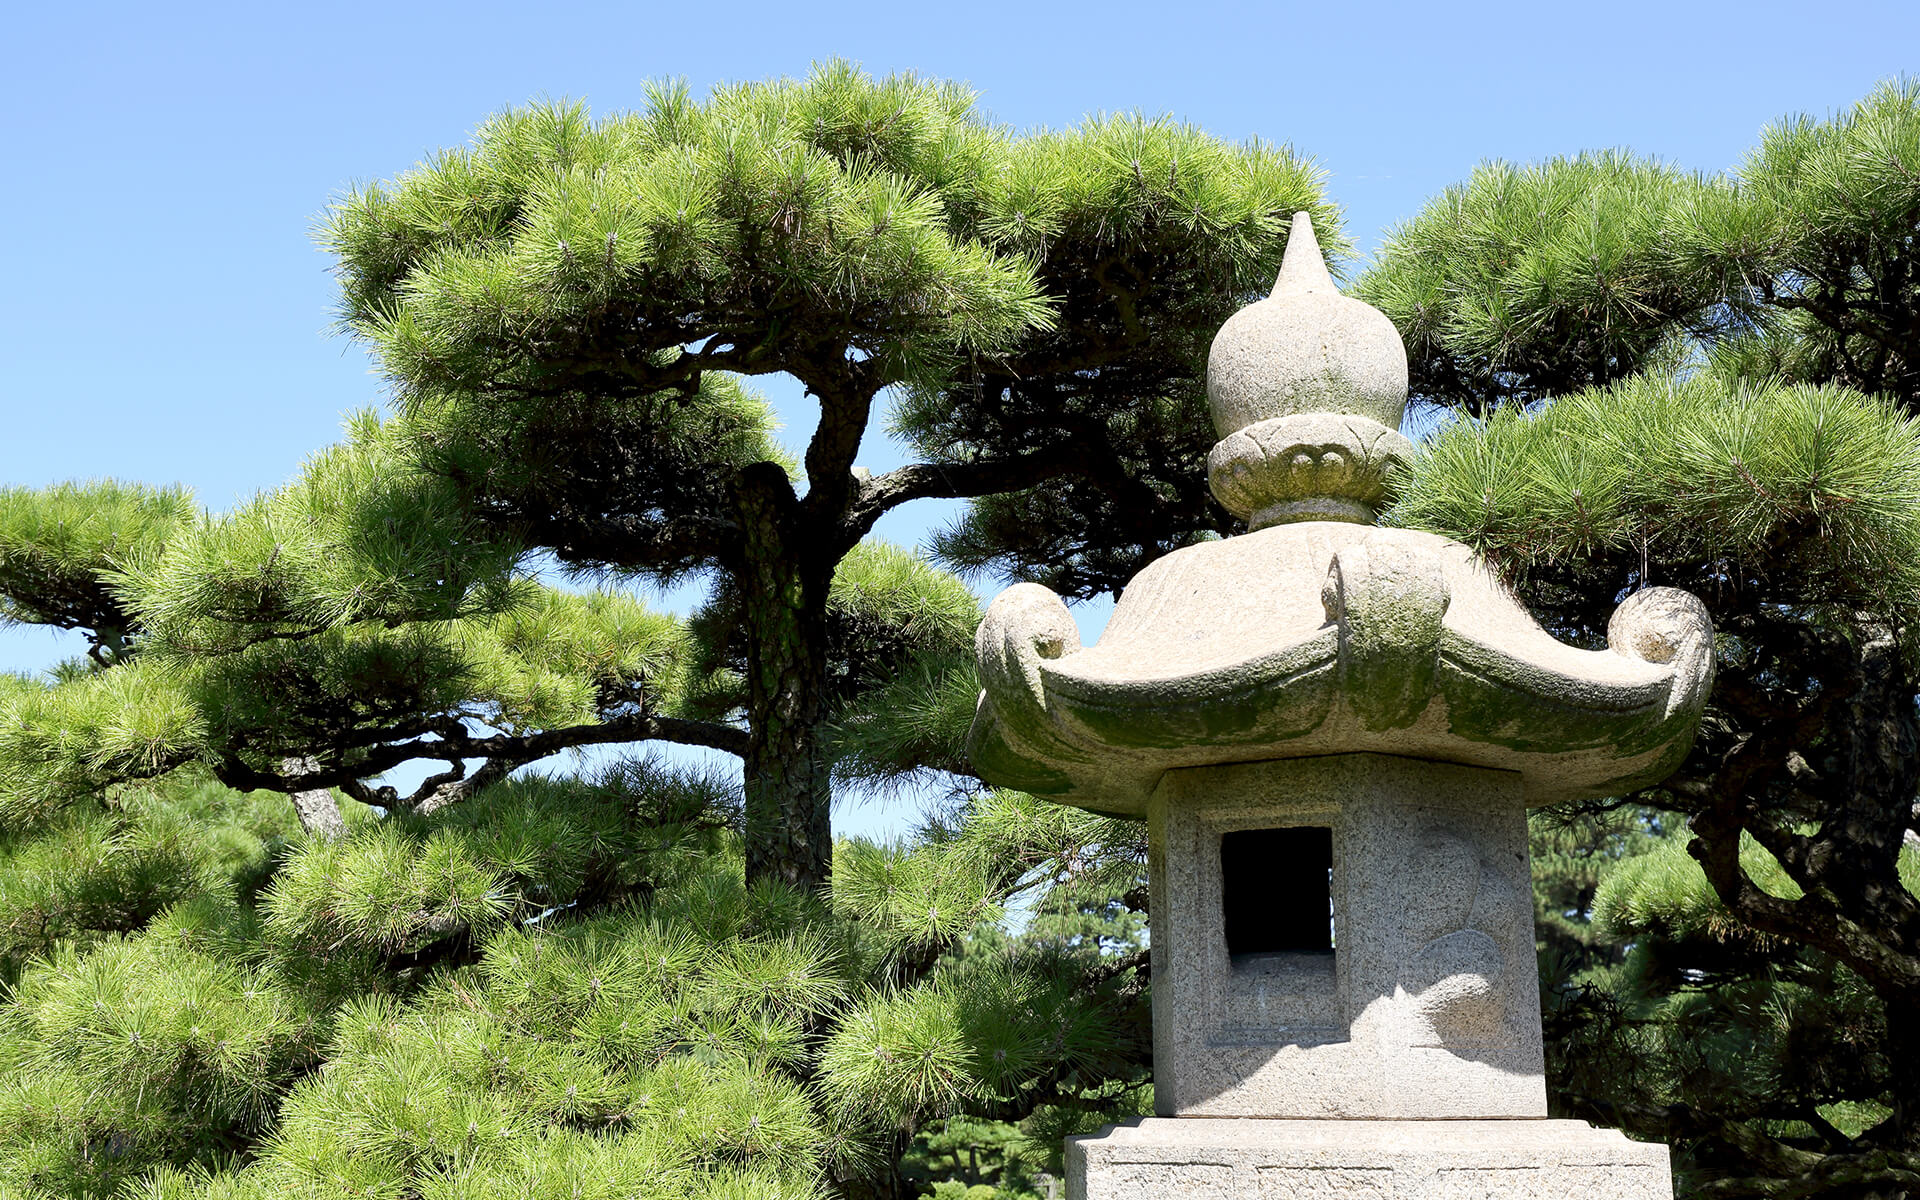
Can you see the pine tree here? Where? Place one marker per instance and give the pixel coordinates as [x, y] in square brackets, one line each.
[242, 961]
[560, 309]
[1705, 382]
[210, 994]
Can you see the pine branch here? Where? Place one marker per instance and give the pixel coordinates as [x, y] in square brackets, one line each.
[454, 742]
[958, 481]
[1680, 1122]
[445, 791]
[1112, 968]
[845, 392]
[633, 541]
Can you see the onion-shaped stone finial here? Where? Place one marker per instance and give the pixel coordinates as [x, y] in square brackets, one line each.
[1306, 349]
[1307, 389]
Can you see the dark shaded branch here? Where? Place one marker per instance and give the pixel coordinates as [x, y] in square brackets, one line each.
[627, 540]
[1681, 1122]
[846, 407]
[958, 481]
[1120, 964]
[456, 742]
[445, 791]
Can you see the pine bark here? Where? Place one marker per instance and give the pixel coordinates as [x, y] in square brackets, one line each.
[316, 808]
[789, 830]
[1866, 838]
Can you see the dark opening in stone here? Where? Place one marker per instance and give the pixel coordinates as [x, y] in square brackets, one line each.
[1276, 890]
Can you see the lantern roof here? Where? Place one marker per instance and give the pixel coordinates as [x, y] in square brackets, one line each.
[1318, 632]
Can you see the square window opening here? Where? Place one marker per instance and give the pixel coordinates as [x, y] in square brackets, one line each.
[1276, 892]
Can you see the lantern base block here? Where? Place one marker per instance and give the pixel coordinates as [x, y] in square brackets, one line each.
[1251, 1158]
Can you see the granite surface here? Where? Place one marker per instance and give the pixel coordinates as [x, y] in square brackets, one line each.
[1216, 1159]
[1428, 1006]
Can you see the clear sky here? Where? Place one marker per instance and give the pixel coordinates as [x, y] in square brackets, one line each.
[165, 316]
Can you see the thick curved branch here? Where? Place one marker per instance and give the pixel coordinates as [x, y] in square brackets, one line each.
[455, 742]
[451, 787]
[959, 481]
[1833, 915]
[1812, 920]
[634, 541]
[846, 408]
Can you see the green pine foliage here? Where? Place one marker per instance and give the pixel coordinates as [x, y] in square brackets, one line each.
[1572, 847]
[1810, 493]
[1663, 892]
[1821, 226]
[326, 625]
[565, 309]
[139, 1052]
[529, 984]
[1205, 222]
[360, 535]
[551, 657]
[95, 871]
[61, 548]
[557, 984]
[904, 692]
[554, 221]
[1531, 281]
[909, 728]
[62, 741]
[887, 610]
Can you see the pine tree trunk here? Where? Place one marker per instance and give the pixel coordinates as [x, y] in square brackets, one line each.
[1903, 1083]
[319, 813]
[789, 831]
[1866, 839]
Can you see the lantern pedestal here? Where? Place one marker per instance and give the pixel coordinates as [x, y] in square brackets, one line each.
[1196, 1158]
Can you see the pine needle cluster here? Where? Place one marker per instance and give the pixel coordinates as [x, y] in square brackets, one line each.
[558, 985]
[60, 548]
[1526, 282]
[1810, 494]
[1529, 281]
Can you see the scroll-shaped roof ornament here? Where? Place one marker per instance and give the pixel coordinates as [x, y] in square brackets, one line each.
[1318, 632]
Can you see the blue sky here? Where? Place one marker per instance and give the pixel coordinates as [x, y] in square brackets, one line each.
[165, 316]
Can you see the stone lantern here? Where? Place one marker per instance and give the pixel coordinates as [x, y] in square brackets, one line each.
[1334, 730]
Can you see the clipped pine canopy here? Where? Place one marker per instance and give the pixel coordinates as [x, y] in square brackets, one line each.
[1793, 493]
